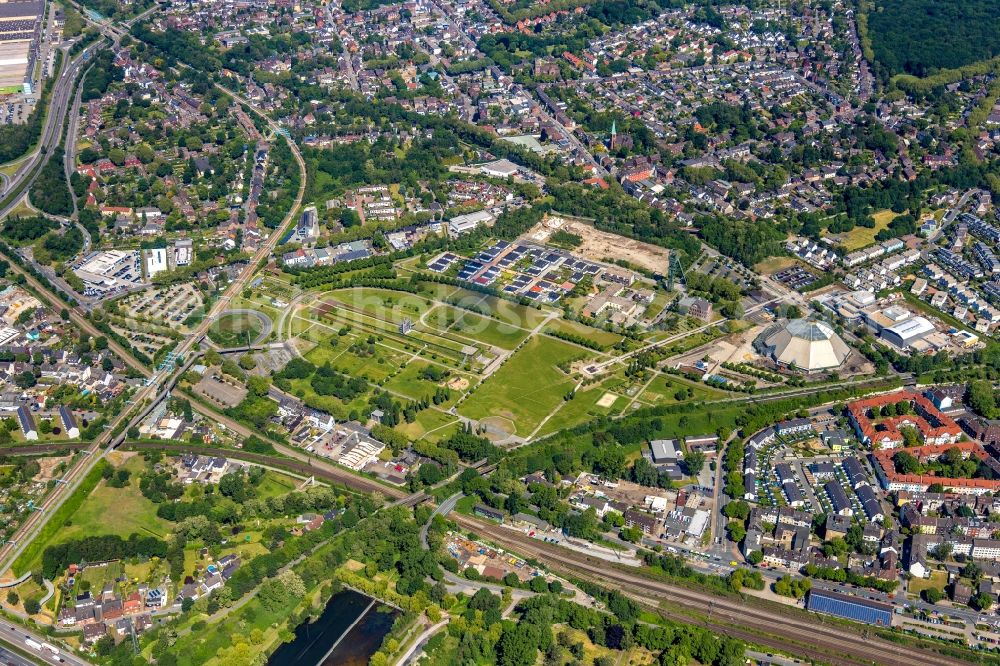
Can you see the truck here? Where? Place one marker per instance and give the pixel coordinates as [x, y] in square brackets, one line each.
[51, 648]
[33, 644]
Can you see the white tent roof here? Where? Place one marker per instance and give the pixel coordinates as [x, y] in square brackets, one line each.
[809, 345]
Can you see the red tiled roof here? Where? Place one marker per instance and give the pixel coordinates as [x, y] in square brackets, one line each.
[888, 429]
[922, 453]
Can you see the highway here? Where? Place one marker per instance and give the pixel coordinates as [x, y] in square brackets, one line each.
[62, 94]
[779, 628]
[16, 635]
[153, 391]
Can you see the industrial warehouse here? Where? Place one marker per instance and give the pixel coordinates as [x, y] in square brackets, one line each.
[20, 23]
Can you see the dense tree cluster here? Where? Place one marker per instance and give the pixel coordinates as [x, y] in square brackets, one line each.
[24, 229]
[50, 191]
[921, 36]
[97, 549]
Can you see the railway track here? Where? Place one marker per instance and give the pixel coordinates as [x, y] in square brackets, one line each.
[807, 636]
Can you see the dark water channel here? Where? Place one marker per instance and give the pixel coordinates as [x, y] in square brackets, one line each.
[313, 640]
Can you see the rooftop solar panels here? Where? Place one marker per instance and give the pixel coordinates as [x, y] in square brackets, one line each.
[851, 608]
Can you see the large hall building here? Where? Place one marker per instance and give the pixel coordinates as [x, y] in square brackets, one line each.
[20, 28]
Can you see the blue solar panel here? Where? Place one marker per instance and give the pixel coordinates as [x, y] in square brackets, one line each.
[850, 608]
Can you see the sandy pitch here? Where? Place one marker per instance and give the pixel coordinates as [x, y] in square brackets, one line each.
[607, 400]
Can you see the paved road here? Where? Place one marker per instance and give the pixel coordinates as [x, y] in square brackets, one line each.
[62, 94]
[15, 635]
[153, 391]
[9, 658]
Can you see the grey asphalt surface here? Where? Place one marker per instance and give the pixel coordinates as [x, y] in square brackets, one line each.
[14, 635]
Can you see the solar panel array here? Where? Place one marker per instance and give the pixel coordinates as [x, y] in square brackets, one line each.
[539, 281]
[859, 610]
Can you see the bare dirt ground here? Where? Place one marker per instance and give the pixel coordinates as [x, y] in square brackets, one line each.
[601, 245]
[48, 466]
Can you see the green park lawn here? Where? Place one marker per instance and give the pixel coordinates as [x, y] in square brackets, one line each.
[275, 484]
[663, 391]
[860, 237]
[584, 407]
[527, 387]
[384, 304]
[411, 383]
[430, 424]
[471, 326]
[600, 336]
[234, 329]
[120, 511]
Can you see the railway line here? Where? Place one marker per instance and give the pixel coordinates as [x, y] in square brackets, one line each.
[807, 636]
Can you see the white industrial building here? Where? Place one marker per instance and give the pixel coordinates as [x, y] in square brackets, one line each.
[461, 224]
[907, 332]
[156, 261]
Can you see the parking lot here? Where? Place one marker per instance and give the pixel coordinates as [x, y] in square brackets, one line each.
[795, 277]
[169, 306]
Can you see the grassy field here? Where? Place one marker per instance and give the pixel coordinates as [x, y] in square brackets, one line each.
[384, 304]
[527, 387]
[775, 264]
[475, 328]
[860, 237]
[232, 330]
[663, 391]
[120, 511]
[502, 309]
[938, 579]
[584, 407]
[32, 554]
[600, 336]
[410, 382]
[430, 424]
[634, 656]
[275, 484]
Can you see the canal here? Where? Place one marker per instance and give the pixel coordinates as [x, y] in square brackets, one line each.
[352, 622]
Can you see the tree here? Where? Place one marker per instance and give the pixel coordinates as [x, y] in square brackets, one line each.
[755, 557]
[12, 598]
[694, 461]
[610, 463]
[737, 509]
[736, 531]
[906, 463]
[31, 606]
[932, 595]
[518, 646]
[982, 601]
[981, 398]
[247, 362]
[943, 551]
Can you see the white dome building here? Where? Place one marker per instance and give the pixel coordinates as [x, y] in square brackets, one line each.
[810, 346]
